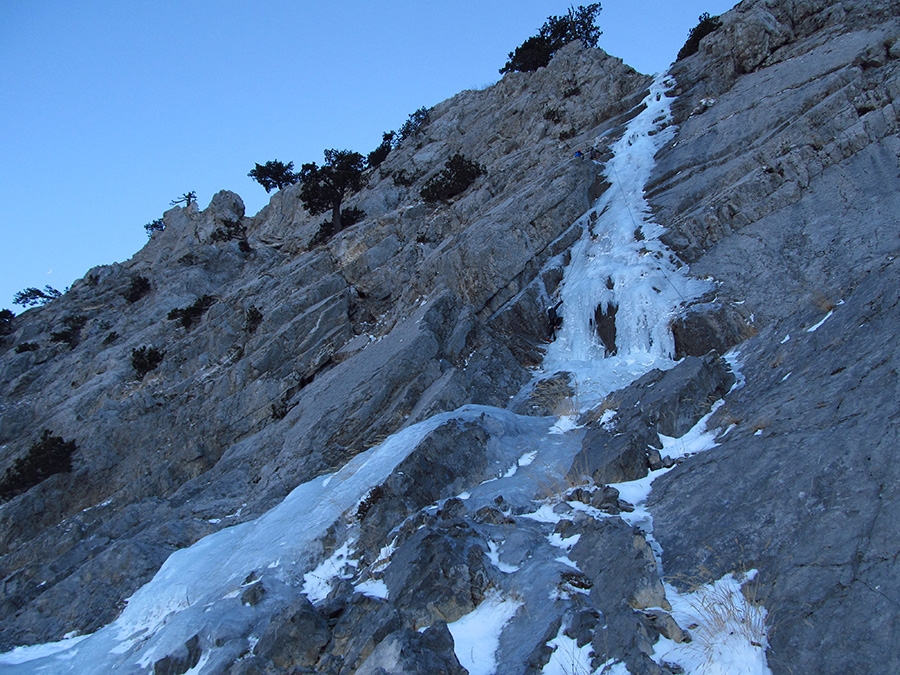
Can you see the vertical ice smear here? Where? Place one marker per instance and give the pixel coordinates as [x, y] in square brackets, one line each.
[621, 274]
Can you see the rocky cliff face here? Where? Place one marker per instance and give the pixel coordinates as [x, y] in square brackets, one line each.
[783, 185]
[419, 333]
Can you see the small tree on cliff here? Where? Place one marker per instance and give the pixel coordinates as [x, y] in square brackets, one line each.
[187, 199]
[706, 25]
[274, 175]
[579, 23]
[324, 188]
[379, 154]
[35, 296]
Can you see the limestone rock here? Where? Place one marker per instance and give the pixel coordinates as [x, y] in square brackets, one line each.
[822, 542]
[669, 403]
[359, 628]
[707, 327]
[438, 574]
[182, 661]
[444, 463]
[789, 180]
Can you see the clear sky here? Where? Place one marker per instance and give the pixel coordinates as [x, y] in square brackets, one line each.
[112, 109]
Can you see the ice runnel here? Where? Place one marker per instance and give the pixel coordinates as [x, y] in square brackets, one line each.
[197, 588]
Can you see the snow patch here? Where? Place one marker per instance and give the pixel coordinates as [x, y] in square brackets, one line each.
[317, 582]
[567, 657]
[565, 543]
[697, 439]
[374, 588]
[635, 492]
[564, 424]
[814, 328]
[728, 633]
[545, 514]
[493, 554]
[607, 419]
[732, 358]
[476, 635]
[527, 458]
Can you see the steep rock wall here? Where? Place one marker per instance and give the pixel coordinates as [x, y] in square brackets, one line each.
[385, 323]
[780, 185]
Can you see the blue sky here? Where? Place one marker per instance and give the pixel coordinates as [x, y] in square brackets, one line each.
[113, 109]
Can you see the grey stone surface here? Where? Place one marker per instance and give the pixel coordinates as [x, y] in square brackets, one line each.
[182, 661]
[784, 190]
[383, 325]
[413, 653]
[804, 486]
[671, 402]
[358, 628]
[295, 639]
[597, 552]
[711, 326]
[448, 460]
[438, 574]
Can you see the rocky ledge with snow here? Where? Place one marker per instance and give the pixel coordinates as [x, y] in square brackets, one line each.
[383, 453]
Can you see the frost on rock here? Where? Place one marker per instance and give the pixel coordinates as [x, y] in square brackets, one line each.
[317, 582]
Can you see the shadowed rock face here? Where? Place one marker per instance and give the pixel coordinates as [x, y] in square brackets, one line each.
[804, 487]
[781, 184]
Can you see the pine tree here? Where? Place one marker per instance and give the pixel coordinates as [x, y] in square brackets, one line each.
[324, 188]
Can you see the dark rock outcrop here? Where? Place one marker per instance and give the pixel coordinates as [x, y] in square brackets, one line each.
[408, 652]
[623, 448]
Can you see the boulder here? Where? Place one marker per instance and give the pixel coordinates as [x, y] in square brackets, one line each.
[438, 574]
[444, 463]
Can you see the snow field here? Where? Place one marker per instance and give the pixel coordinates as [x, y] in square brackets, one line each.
[477, 634]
